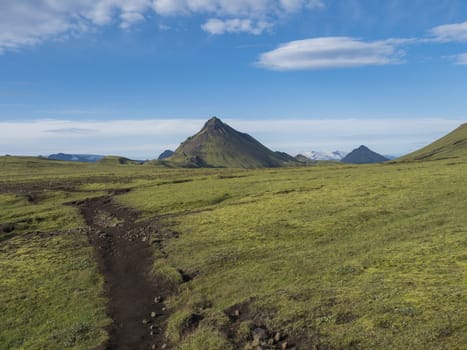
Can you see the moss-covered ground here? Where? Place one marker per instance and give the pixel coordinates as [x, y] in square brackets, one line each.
[364, 257]
[370, 257]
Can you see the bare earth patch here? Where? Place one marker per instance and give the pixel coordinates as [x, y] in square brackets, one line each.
[125, 255]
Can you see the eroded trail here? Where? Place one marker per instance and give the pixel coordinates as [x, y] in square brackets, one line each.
[125, 257]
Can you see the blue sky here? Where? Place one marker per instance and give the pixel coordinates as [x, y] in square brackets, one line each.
[134, 78]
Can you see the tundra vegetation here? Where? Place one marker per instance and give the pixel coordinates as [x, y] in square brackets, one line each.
[333, 256]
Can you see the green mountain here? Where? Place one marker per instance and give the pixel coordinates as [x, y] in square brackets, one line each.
[453, 145]
[218, 145]
[363, 155]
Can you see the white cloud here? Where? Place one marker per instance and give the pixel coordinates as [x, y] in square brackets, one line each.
[130, 18]
[236, 25]
[461, 59]
[315, 4]
[295, 5]
[71, 131]
[141, 139]
[244, 8]
[30, 22]
[450, 32]
[164, 27]
[132, 138]
[332, 52]
[25, 23]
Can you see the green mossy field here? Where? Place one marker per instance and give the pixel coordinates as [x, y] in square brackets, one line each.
[332, 256]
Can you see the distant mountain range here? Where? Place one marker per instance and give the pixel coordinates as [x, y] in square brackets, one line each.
[219, 145]
[389, 156]
[89, 158]
[363, 155]
[92, 158]
[316, 155]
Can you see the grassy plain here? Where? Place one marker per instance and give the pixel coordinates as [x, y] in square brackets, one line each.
[344, 257]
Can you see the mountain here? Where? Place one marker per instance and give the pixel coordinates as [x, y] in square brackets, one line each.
[219, 145]
[363, 155]
[315, 155]
[303, 159]
[166, 154]
[453, 145]
[90, 158]
[389, 156]
[117, 160]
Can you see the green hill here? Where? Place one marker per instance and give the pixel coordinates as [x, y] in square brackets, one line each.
[114, 160]
[453, 145]
[363, 155]
[220, 146]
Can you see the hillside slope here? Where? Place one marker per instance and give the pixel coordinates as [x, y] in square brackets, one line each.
[115, 160]
[453, 145]
[218, 145]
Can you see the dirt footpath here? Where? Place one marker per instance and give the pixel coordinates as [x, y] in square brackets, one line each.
[125, 256]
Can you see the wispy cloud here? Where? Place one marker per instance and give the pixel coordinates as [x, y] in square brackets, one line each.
[461, 59]
[30, 22]
[236, 25]
[345, 52]
[54, 113]
[244, 8]
[333, 52]
[79, 131]
[143, 139]
[456, 32]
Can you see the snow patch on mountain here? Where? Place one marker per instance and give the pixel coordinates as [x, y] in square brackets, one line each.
[318, 155]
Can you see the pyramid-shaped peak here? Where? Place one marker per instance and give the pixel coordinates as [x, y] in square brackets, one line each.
[363, 155]
[213, 123]
[219, 145]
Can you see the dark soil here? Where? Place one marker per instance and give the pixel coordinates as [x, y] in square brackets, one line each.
[125, 255]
